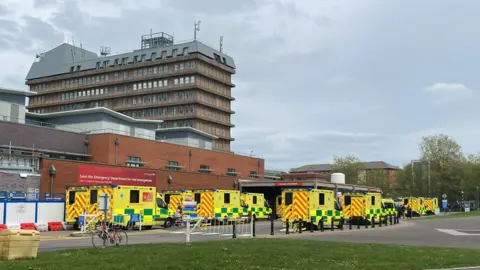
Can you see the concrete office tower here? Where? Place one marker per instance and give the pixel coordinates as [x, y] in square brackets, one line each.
[188, 85]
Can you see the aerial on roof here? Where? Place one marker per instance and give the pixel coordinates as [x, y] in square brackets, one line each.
[16, 92]
[67, 58]
[93, 111]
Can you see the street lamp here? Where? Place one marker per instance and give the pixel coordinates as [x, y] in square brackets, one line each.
[463, 203]
[52, 171]
[477, 200]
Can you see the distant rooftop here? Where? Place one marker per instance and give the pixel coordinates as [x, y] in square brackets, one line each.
[372, 165]
[16, 92]
[67, 58]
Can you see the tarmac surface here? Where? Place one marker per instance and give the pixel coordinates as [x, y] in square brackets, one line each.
[455, 232]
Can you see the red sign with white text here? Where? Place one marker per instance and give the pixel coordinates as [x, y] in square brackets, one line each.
[98, 175]
[288, 184]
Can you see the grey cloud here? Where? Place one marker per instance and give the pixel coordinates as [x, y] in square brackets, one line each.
[211, 7]
[42, 3]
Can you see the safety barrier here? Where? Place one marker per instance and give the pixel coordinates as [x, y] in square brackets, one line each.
[230, 226]
[3, 227]
[55, 226]
[19, 214]
[298, 226]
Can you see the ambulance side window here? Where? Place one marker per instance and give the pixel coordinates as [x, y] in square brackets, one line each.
[321, 199]
[161, 203]
[93, 196]
[71, 197]
[288, 198]
[198, 197]
[348, 200]
[254, 199]
[134, 196]
[226, 198]
[373, 200]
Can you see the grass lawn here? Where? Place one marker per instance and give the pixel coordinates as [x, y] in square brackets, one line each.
[455, 215]
[252, 254]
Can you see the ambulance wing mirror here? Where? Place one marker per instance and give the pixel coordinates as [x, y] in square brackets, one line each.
[338, 207]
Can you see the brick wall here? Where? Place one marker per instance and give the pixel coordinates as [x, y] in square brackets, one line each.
[67, 176]
[157, 154]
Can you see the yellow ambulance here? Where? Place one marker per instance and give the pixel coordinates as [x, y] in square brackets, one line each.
[256, 204]
[360, 206]
[388, 207]
[124, 202]
[280, 207]
[311, 206]
[215, 203]
[431, 204]
[417, 204]
[175, 198]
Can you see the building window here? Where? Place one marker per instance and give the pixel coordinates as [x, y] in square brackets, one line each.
[204, 169]
[149, 84]
[253, 174]
[155, 84]
[165, 82]
[231, 172]
[192, 79]
[134, 162]
[173, 166]
[175, 81]
[134, 87]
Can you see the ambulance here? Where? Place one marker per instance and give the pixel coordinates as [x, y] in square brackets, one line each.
[125, 203]
[431, 204]
[360, 206]
[280, 207]
[257, 205]
[388, 207]
[417, 204]
[176, 198]
[213, 203]
[310, 206]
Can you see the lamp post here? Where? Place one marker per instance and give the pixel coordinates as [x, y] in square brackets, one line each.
[463, 203]
[52, 172]
[169, 181]
[477, 200]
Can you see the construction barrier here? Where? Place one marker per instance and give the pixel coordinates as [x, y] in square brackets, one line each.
[55, 226]
[3, 227]
[14, 213]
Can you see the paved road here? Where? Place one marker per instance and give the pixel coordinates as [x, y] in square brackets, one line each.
[418, 232]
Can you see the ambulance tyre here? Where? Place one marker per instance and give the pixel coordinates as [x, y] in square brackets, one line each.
[168, 223]
[76, 225]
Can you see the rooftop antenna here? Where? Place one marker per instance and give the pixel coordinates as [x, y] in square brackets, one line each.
[104, 50]
[73, 48]
[221, 44]
[197, 28]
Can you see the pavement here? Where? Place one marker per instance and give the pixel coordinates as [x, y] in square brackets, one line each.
[458, 232]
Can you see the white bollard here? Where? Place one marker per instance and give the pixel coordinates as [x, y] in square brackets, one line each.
[187, 228]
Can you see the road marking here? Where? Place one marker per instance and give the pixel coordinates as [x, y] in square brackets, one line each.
[454, 232]
[459, 268]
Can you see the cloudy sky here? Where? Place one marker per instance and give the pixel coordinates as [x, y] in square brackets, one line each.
[315, 78]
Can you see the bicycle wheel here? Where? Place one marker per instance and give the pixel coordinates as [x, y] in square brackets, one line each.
[100, 239]
[121, 238]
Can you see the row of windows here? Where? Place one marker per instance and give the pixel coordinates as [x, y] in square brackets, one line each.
[155, 99]
[178, 123]
[120, 75]
[214, 114]
[132, 74]
[168, 111]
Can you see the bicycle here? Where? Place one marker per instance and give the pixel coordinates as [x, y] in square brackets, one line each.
[112, 236]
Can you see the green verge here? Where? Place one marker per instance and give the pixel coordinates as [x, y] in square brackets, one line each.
[454, 215]
[252, 254]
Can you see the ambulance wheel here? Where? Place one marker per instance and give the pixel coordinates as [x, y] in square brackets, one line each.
[76, 225]
[168, 223]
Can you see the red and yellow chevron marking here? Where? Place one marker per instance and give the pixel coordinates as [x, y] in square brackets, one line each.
[414, 205]
[174, 202]
[357, 207]
[205, 207]
[300, 205]
[77, 208]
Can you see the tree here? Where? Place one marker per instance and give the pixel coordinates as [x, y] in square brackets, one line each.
[446, 159]
[348, 165]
